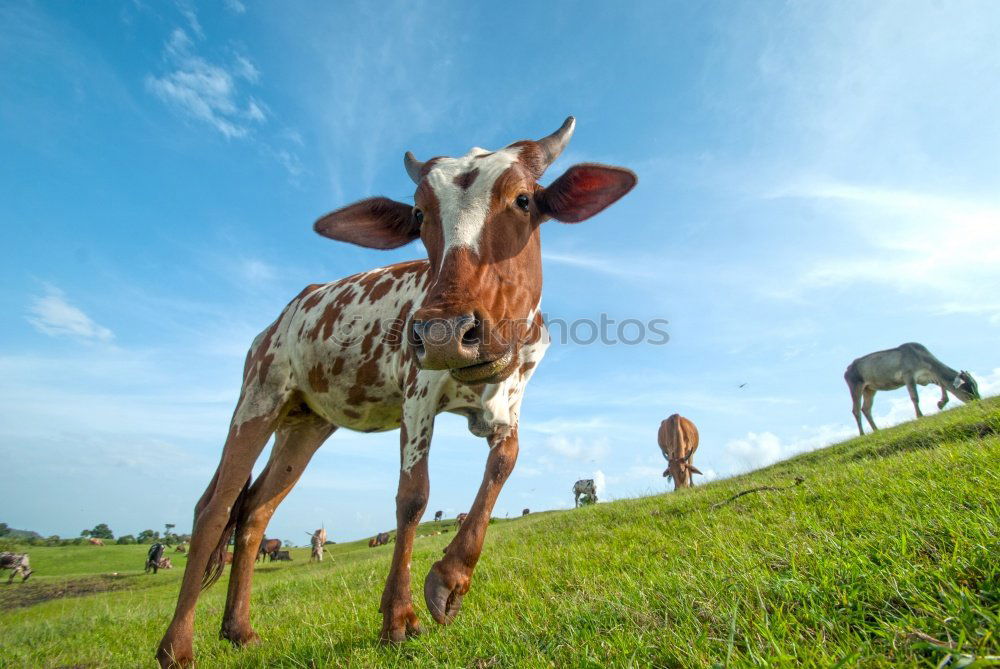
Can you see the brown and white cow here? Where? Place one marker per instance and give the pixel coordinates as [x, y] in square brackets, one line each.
[95, 542]
[678, 439]
[460, 331]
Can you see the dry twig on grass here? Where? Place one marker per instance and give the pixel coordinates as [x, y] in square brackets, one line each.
[798, 481]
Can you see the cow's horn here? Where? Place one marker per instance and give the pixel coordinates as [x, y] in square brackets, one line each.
[413, 166]
[554, 144]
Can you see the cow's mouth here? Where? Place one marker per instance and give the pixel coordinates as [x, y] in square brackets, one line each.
[491, 371]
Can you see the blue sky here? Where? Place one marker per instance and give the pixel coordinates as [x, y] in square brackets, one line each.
[817, 181]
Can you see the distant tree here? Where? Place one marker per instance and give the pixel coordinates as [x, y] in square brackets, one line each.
[126, 539]
[52, 540]
[85, 533]
[4, 529]
[147, 536]
[102, 531]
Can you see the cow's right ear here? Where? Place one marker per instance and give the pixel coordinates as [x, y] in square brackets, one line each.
[375, 223]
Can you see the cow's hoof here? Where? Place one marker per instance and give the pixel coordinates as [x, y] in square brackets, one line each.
[239, 636]
[168, 658]
[443, 600]
[399, 627]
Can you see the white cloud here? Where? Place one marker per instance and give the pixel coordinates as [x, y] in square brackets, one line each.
[909, 240]
[257, 271]
[757, 449]
[600, 484]
[235, 6]
[53, 315]
[576, 448]
[206, 91]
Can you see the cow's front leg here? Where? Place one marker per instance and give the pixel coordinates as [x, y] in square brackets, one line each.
[944, 396]
[450, 577]
[398, 618]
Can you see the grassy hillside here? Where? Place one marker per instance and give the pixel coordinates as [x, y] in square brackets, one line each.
[889, 543]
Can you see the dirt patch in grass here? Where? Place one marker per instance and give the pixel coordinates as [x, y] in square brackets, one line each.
[19, 595]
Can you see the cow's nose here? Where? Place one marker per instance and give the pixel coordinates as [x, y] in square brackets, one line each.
[446, 343]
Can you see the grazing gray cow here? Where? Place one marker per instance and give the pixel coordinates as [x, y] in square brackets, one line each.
[906, 365]
[281, 556]
[438, 515]
[18, 564]
[526, 512]
[584, 487]
[154, 557]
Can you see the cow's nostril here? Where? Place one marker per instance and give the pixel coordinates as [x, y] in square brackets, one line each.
[469, 330]
[471, 337]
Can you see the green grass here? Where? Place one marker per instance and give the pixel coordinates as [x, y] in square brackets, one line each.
[889, 537]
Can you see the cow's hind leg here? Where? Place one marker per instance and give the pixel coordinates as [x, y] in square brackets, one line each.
[213, 515]
[866, 406]
[856, 393]
[298, 436]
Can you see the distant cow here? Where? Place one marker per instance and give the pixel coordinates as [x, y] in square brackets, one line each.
[281, 556]
[526, 512]
[267, 547]
[153, 557]
[438, 515]
[584, 487]
[165, 563]
[379, 539]
[317, 541]
[678, 439]
[95, 542]
[460, 518]
[18, 564]
[906, 365]
[180, 549]
[228, 558]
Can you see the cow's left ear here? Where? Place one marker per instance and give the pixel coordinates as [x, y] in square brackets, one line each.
[376, 223]
[584, 190]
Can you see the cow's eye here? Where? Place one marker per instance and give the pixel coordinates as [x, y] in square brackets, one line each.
[522, 201]
[418, 216]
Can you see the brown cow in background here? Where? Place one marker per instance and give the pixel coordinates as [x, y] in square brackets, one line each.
[267, 547]
[460, 518]
[95, 542]
[678, 439]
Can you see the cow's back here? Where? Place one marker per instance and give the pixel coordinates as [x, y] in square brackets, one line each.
[677, 437]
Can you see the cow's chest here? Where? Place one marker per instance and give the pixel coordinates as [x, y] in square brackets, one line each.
[346, 354]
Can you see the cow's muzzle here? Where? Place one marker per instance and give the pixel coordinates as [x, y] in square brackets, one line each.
[457, 344]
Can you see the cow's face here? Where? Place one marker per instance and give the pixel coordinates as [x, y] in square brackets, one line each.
[966, 387]
[478, 217]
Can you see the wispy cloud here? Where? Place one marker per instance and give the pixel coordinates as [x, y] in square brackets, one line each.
[906, 239]
[577, 448]
[612, 267]
[235, 6]
[208, 92]
[53, 315]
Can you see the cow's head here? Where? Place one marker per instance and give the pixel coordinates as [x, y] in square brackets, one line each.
[965, 387]
[478, 217]
[680, 470]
